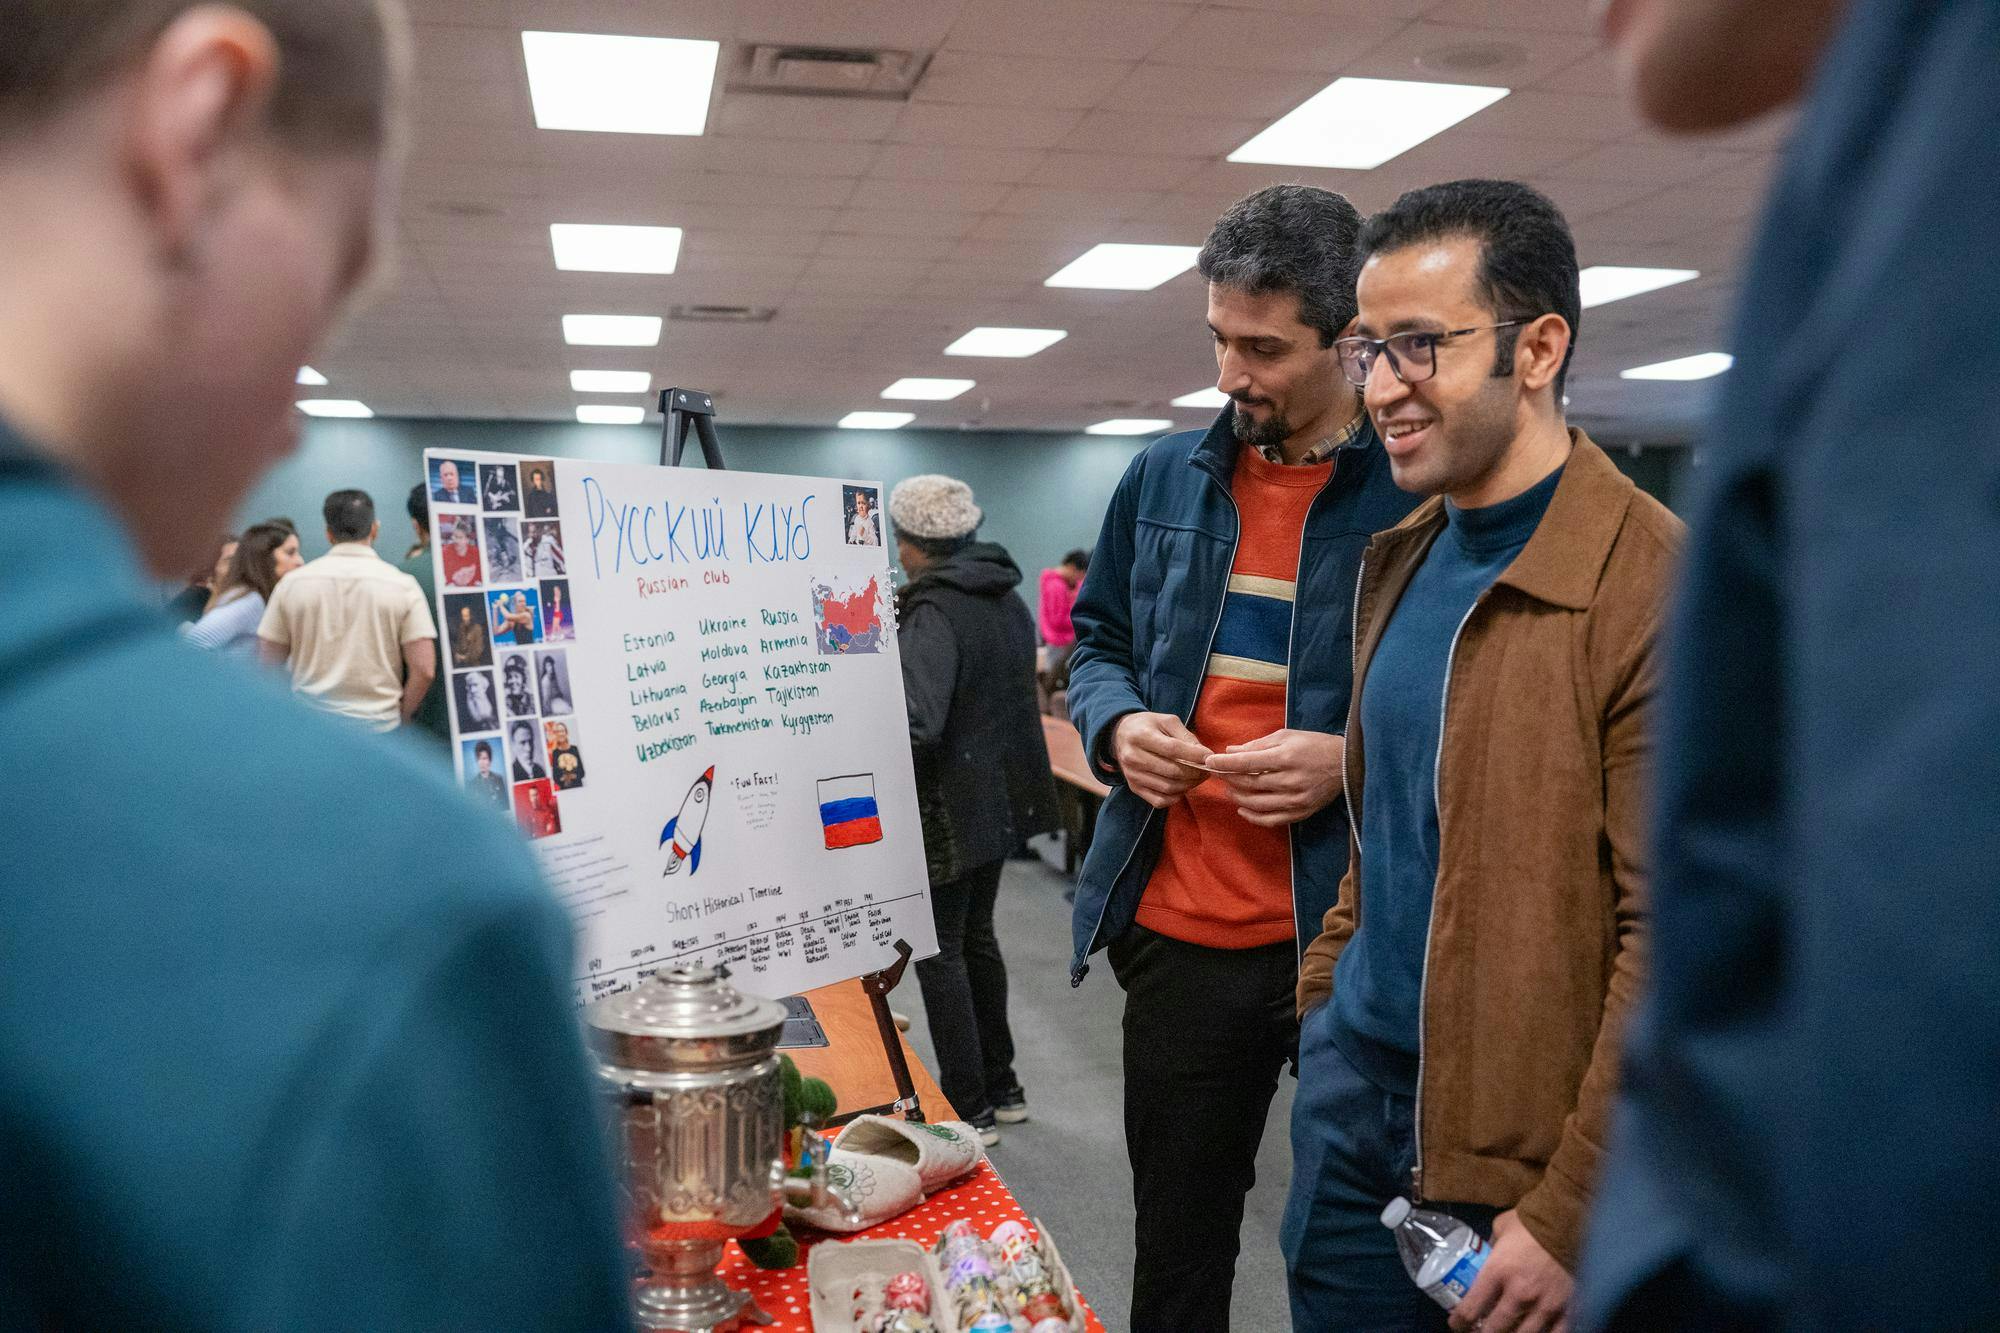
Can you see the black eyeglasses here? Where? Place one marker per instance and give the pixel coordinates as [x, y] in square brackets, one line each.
[1412, 356]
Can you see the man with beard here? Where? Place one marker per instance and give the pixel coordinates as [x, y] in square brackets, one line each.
[1215, 713]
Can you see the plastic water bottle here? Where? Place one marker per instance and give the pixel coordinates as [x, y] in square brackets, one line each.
[1441, 1254]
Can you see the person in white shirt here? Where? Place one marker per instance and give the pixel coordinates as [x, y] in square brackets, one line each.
[355, 630]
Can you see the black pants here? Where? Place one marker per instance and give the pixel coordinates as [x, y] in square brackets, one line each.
[965, 994]
[1207, 1032]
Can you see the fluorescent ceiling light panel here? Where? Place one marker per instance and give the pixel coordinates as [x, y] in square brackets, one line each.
[334, 407]
[1359, 124]
[583, 248]
[1128, 426]
[931, 390]
[1604, 283]
[1202, 398]
[1115, 266]
[989, 341]
[612, 330]
[610, 381]
[876, 420]
[620, 85]
[597, 414]
[307, 375]
[1706, 365]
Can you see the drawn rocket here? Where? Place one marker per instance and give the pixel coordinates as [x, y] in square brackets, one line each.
[684, 829]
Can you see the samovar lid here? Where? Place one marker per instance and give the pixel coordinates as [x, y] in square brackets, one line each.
[685, 1004]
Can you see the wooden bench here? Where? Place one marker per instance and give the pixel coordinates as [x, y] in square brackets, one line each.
[1087, 791]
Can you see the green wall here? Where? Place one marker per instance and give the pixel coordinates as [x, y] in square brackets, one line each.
[1043, 493]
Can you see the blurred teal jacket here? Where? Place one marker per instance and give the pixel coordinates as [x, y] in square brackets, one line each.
[286, 1031]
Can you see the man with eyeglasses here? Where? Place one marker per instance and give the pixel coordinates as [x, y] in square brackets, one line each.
[1210, 682]
[1461, 1009]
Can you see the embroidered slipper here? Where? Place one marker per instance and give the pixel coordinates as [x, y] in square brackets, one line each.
[879, 1188]
[940, 1153]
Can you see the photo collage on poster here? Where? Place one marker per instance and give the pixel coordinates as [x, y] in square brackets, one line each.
[504, 584]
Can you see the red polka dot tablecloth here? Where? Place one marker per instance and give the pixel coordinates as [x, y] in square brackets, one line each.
[785, 1294]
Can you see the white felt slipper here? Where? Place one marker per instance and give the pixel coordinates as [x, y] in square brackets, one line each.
[879, 1188]
[941, 1153]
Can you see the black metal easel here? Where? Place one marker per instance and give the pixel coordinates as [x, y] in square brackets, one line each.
[687, 409]
[878, 985]
[691, 409]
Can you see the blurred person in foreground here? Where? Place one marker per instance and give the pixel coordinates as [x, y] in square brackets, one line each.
[1805, 1138]
[305, 1073]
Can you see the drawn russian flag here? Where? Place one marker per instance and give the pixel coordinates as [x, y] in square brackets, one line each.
[847, 811]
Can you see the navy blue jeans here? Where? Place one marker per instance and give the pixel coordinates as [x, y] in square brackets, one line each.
[1353, 1146]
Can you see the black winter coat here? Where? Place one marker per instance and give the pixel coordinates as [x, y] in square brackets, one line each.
[968, 648]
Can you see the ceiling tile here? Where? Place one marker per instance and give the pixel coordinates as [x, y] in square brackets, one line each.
[911, 25]
[1105, 205]
[769, 116]
[964, 126]
[1114, 171]
[1082, 29]
[1220, 39]
[930, 162]
[1019, 81]
[1169, 136]
[1451, 53]
[1172, 90]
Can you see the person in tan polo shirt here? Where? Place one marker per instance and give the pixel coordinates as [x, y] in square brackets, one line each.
[354, 629]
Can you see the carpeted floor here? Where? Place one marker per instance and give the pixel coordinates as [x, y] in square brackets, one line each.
[1067, 1164]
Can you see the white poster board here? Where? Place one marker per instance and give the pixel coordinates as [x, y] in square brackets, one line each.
[684, 686]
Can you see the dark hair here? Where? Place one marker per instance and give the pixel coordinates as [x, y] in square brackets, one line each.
[282, 522]
[254, 565]
[336, 73]
[1290, 238]
[1527, 257]
[1079, 558]
[419, 507]
[482, 748]
[937, 548]
[204, 574]
[350, 515]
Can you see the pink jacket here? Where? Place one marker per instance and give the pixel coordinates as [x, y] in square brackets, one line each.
[1057, 599]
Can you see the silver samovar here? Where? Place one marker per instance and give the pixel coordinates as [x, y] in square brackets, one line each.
[691, 1064]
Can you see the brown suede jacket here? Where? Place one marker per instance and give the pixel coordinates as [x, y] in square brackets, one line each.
[1538, 918]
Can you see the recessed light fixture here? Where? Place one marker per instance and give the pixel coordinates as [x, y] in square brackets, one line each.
[307, 375]
[603, 414]
[334, 407]
[610, 381]
[1202, 398]
[989, 341]
[932, 390]
[612, 330]
[876, 420]
[1705, 365]
[586, 248]
[1116, 266]
[1128, 426]
[1359, 124]
[620, 85]
[1604, 283]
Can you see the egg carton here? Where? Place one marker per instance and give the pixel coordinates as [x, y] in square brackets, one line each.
[833, 1267]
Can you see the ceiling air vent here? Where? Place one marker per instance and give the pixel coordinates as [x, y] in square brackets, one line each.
[828, 71]
[723, 314]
